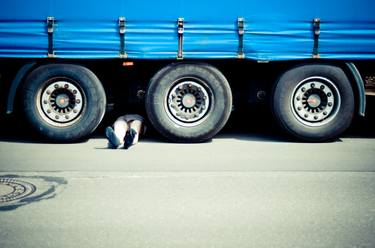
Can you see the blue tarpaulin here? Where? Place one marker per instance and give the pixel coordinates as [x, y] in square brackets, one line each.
[273, 29]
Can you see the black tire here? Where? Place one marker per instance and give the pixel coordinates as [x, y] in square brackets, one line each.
[201, 85]
[314, 102]
[63, 102]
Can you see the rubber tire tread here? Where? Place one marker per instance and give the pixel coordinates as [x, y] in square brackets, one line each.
[283, 93]
[219, 114]
[92, 114]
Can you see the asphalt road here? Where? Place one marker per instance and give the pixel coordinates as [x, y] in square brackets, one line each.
[242, 189]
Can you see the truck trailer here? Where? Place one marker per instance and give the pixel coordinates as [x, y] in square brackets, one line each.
[63, 63]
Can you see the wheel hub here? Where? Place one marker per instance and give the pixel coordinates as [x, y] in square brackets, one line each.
[61, 103]
[188, 102]
[315, 101]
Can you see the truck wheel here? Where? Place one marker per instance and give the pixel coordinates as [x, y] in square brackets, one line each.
[188, 102]
[314, 102]
[63, 102]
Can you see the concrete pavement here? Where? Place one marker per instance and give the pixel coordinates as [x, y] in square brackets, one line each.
[254, 209]
[226, 152]
[239, 190]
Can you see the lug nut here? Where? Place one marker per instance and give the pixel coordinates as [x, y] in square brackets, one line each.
[315, 117]
[56, 86]
[298, 98]
[74, 92]
[303, 89]
[66, 86]
[306, 115]
[325, 113]
[57, 117]
[299, 108]
[45, 102]
[329, 94]
[322, 87]
[49, 111]
[75, 111]
[78, 101]
[312, 85]
[66, 116]
[48, 92]
[330, 104]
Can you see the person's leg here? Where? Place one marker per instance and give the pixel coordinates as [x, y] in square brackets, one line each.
[132, 136]
[116, 134]
[120, 127]
[136, 125]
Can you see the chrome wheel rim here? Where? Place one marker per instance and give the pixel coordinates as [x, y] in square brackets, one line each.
[188, 102]
[315, 101]
[61, 102]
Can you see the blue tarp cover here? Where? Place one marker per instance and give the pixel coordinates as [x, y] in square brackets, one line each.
[274, 29]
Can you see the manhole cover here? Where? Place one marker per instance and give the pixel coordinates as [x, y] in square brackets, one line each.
[12, 189]
[20, 190]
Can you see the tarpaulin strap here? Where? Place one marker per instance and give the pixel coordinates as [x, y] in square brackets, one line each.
[180, 32]
[50, 29]
[121, 24]
[241, 32]
[316, 30]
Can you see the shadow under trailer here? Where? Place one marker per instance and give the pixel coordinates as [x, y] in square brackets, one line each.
[64, 63]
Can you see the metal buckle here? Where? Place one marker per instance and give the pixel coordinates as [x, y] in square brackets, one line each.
[316, 31]
[122, 29]
[241, 33]
[180, 32]
[50, 30]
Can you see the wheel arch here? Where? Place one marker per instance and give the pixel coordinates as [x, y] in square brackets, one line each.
[358, 86]
[19, 78]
